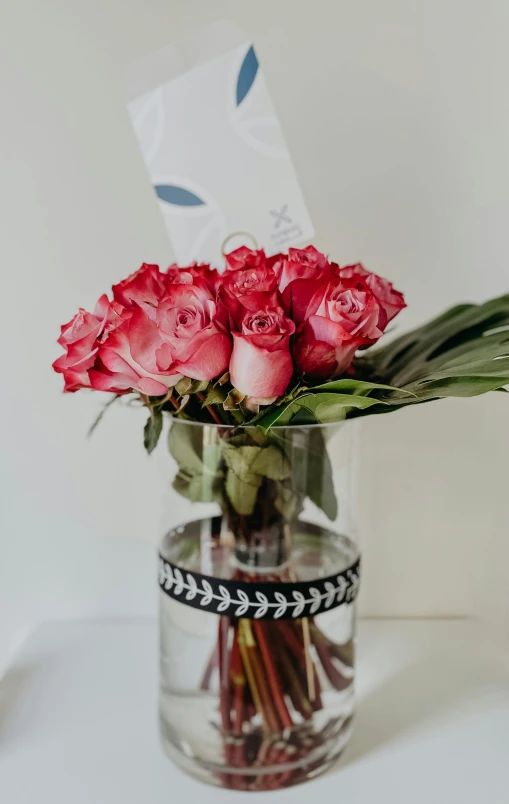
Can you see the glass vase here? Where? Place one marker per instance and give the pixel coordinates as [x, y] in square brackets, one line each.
[257, 604]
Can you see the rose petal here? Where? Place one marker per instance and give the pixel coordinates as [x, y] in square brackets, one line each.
[258, 372]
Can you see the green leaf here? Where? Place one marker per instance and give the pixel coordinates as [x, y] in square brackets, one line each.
[463, 352]
[198, 386]
[188, 386]
[185, 442]
[352, 386]
[303, 418]
[456, 386]
[242, 491]
[215, 396]
[247, 465]
[287, 501]
[199, 459]
[320, 488]
[152, 430]
[337, 406]
[195, 489]
[183, 386]
[456, 333]
[242, 483]
[325, 407]
[233, 400]
[271, 462]
[240, 458]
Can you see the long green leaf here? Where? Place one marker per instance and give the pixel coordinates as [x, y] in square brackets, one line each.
[463, 352]
[325, 408]
[349, 385]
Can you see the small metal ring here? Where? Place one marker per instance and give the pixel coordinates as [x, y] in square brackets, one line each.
[236, 234]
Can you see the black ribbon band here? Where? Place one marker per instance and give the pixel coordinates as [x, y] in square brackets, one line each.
[260, 601]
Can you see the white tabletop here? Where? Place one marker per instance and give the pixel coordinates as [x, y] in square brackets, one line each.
[78, 721]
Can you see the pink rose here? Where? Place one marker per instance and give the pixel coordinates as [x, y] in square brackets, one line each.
[338, 321]
[389, 299]
[81, 339]
[127, 360]
[300, 275]
[144, 288]
[248, 288]
[196, 274]
[261, 365]
[306, 263]
[245, 257]
[193, 334]
[174, 275]
[204, 275]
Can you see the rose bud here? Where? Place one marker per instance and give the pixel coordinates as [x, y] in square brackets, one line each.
[389, 299]
[338, 321]
[261, 365]
[193, 334]
[81, 339]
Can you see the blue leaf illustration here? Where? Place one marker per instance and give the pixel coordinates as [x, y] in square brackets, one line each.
[177, 195]
[247, 75]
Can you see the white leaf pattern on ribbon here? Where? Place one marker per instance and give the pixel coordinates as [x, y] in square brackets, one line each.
[301, 602]
[264, 605]
[225, 603]
[179, 581]
[281, 599]
[207, 597]
[292, 602]
[342, 587]
[331, 592]
[244, 603]
[317, 599]
[193, 589]
[168, 578]
[354, 585]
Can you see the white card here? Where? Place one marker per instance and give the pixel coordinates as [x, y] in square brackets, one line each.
[216, 154]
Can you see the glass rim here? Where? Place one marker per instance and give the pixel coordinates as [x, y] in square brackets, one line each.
[247, 426]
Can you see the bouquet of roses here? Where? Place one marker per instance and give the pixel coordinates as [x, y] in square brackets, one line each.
[275, 339]
[257, 353]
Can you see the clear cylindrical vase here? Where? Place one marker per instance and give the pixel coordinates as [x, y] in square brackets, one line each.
[257, 605]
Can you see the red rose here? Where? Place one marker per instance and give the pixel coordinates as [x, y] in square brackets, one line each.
[389, 299]
[128, 359]
[338, 321]
[245, 257]
[248, 288]
[144, 288]
[306, 263]
[177, 276]
[202, 274]
[81, 338]
[299, 276]
[193, 335]
[261, 365]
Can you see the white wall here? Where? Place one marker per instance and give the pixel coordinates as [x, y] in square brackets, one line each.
[397, 117]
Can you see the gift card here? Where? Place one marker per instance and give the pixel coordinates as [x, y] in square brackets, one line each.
[214, 148]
